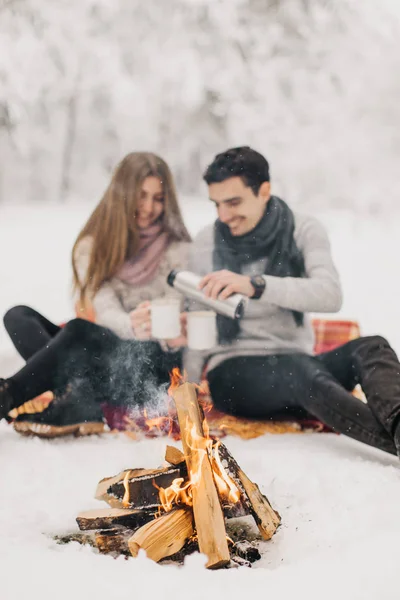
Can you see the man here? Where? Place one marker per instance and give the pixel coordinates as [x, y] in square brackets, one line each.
[263, 365]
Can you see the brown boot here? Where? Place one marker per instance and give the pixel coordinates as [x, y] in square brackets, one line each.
[64, 416]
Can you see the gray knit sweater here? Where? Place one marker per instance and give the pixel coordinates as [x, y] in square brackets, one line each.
[268, 326]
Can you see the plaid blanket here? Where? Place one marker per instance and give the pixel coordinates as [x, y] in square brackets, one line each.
[329, 334]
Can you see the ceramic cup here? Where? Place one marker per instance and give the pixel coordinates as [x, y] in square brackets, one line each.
[165, 318]
[202, 329]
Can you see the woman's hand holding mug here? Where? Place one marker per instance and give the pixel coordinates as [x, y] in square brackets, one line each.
[144, 329]
[141, 321]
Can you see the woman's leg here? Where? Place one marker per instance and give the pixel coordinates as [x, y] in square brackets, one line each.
[29, 330]
[137, 374]
[259, 387]
[77, 356]
[94, 363]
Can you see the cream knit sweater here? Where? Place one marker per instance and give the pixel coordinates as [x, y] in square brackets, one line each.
[115, 299]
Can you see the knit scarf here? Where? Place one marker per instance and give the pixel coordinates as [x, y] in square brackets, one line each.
[142, 267]
[273, 239]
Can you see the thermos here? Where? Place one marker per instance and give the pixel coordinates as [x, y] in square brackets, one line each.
[187, 283]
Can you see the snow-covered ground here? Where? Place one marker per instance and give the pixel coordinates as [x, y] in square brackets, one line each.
[338, 499]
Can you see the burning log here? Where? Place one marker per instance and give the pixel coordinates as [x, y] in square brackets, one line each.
[137, 488]
[208, 516]
[231, 510]
[107, 518]
[164, 536]
[265, 516]
[171, 511]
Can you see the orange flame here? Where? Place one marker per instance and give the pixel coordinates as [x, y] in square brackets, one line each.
[176, 493]
[181, 491]
[126, 498]
[202, 447]
[177, 378]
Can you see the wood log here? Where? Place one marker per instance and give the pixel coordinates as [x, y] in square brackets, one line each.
[174, 456]
[106, 518]
[113, 540]
[165, 535]
[266, 518]
[137, 488]
[208, 516]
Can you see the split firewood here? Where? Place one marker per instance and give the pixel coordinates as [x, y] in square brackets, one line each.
[174, 456]
[266, 518]
[208, 516]
[137, 488]
[106, 518]
[163, 536]
[113, 540]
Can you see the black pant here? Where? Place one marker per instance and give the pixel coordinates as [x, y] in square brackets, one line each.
[91, 361]
[263, 387]
[29, 330]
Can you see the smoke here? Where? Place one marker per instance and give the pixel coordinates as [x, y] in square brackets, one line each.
[93, 365]
[138, 375]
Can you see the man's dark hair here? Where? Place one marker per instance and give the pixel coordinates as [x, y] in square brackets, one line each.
[243, 162]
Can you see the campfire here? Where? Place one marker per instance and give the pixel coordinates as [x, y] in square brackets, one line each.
[182, 507]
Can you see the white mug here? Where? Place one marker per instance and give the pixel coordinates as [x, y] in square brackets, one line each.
[165, 318]
[201, 329]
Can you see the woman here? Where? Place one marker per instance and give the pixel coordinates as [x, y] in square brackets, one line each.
[120, 261]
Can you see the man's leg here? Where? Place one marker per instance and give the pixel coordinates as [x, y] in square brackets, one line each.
[259, 387]
[372, 363]
[29, 330]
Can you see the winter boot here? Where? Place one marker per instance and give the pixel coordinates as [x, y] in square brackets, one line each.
[66, 415]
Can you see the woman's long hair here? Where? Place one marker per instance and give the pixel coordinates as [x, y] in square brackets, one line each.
[112, 225]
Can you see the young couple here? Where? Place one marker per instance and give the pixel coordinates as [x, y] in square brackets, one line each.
[262, 365]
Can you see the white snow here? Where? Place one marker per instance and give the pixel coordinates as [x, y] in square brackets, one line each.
[338, 499]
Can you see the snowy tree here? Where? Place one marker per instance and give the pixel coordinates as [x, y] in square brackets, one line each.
[311, 83]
